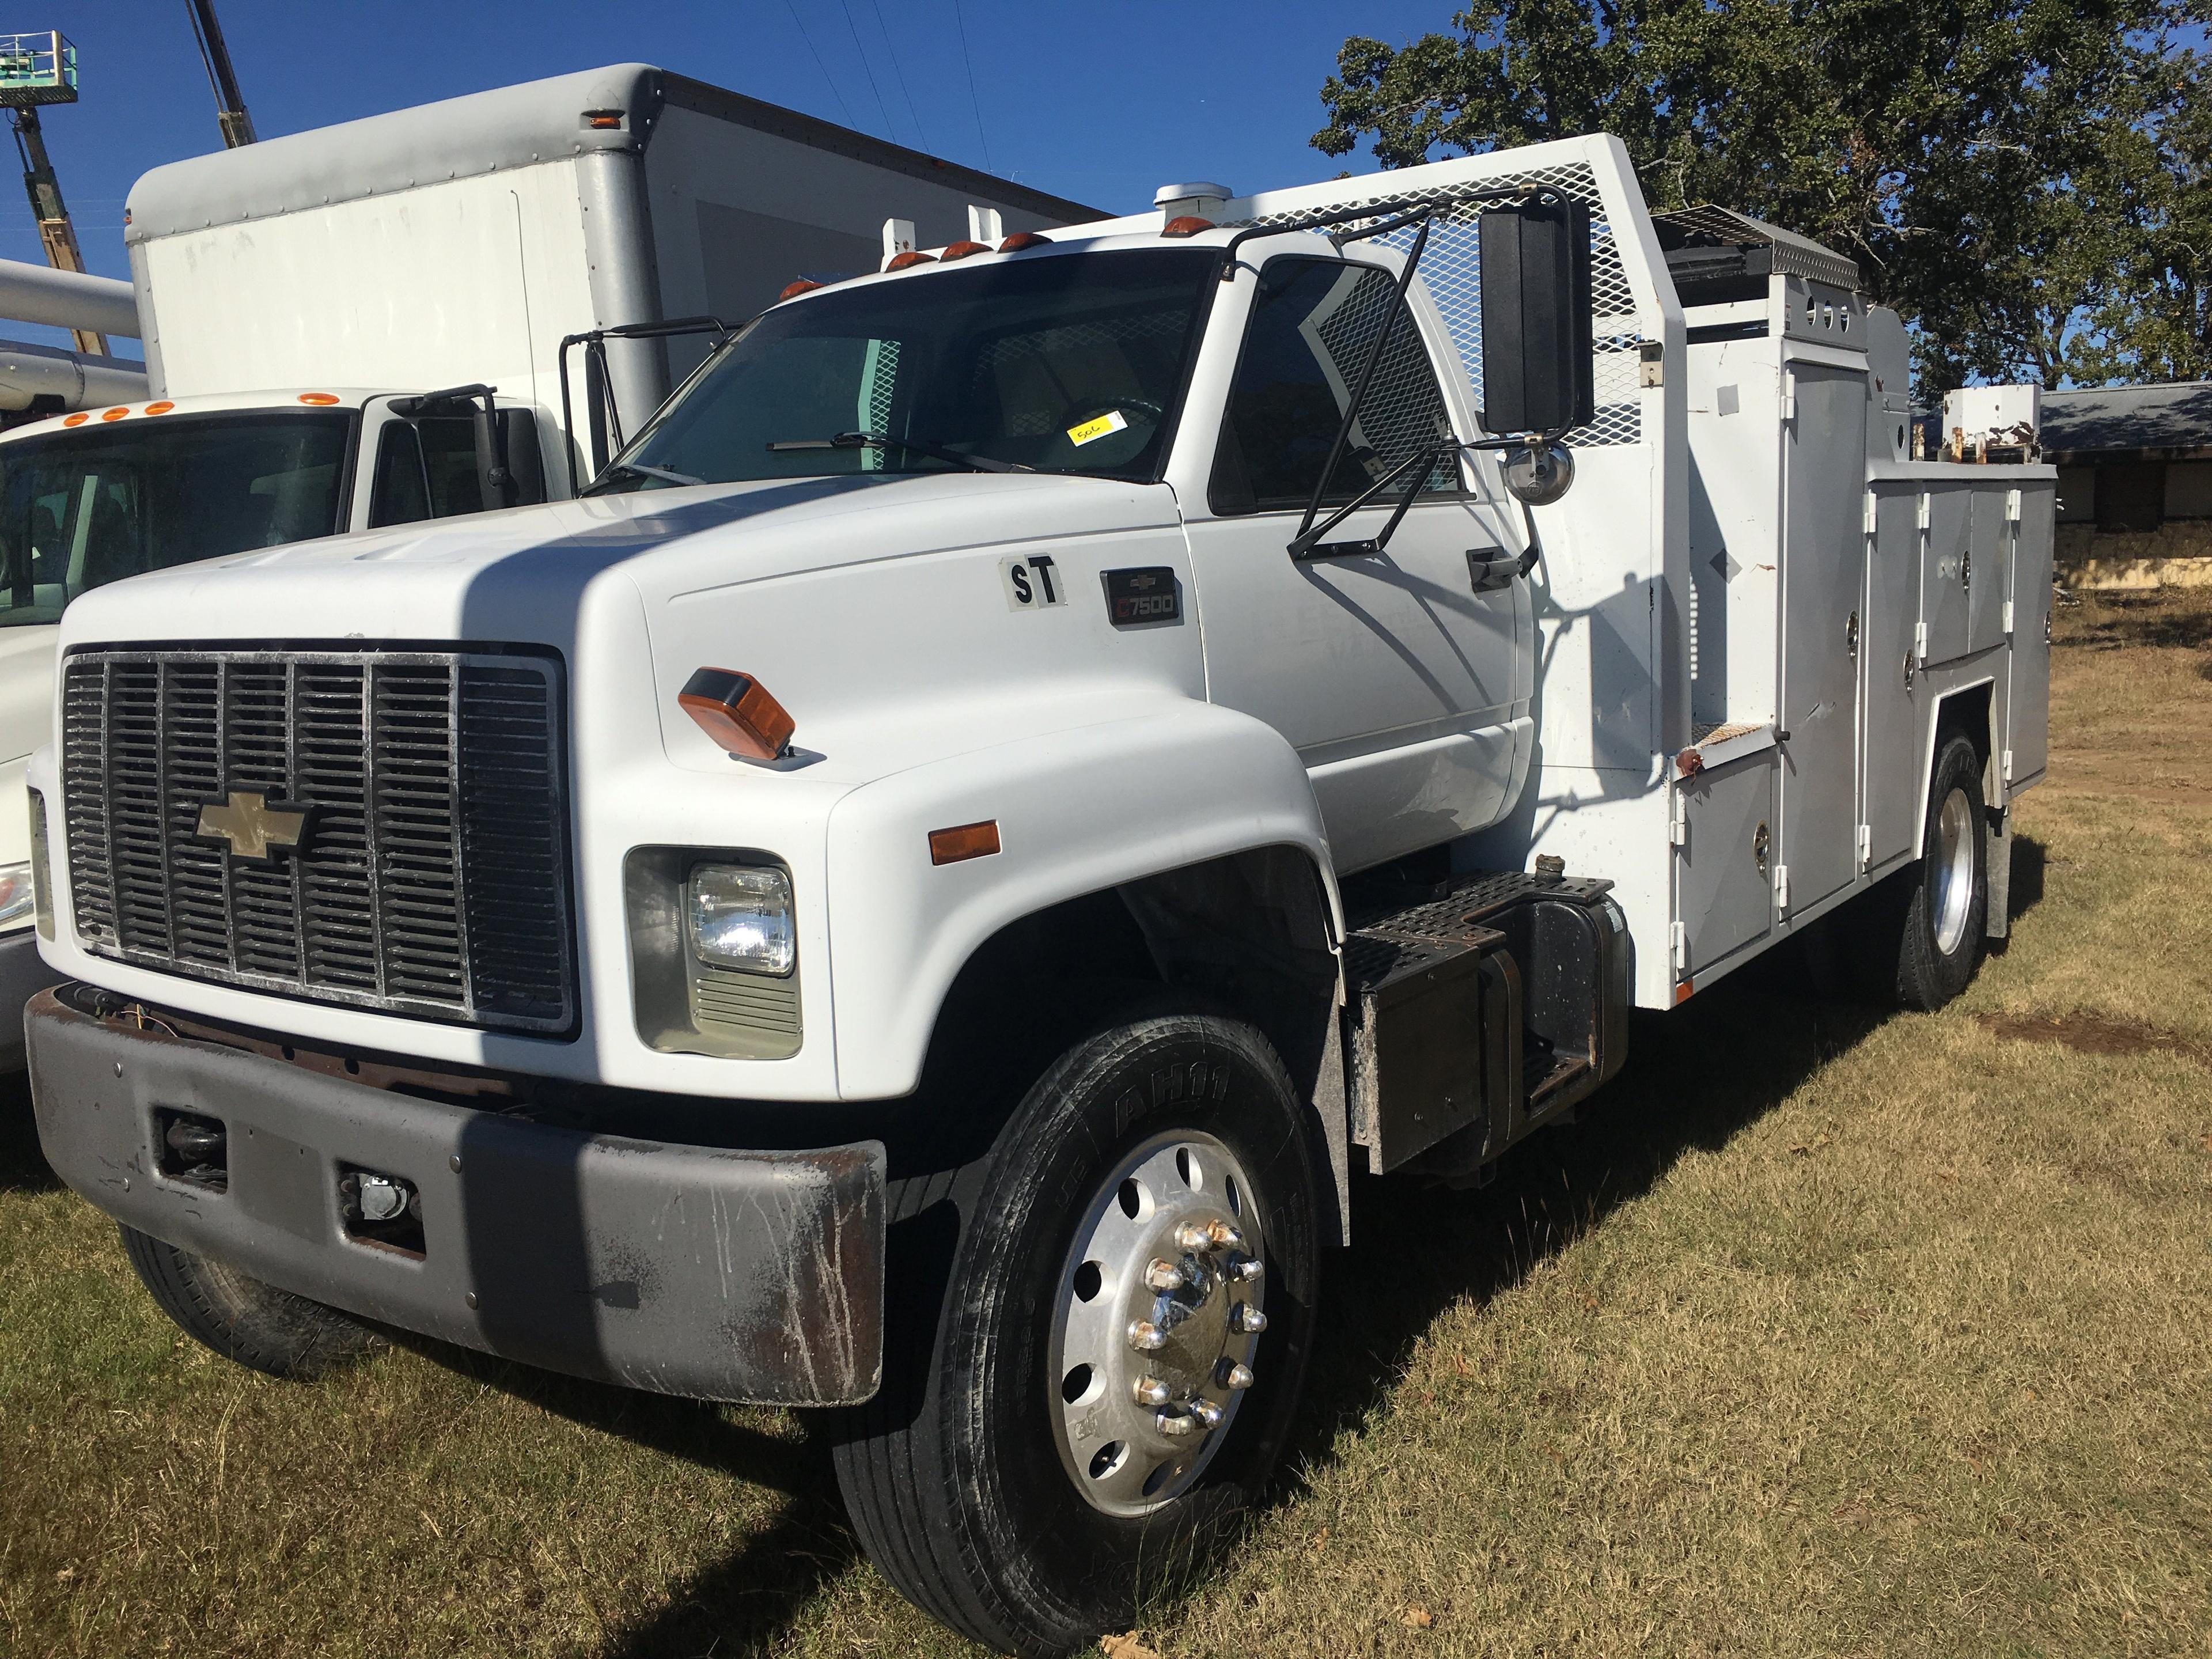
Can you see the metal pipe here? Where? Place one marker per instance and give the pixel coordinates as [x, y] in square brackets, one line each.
[31, 371]
[67, 299]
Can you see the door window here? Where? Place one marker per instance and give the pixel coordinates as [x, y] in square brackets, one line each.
[1312, 324]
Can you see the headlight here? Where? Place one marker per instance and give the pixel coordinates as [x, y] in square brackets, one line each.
[740, 917]
[18, 895]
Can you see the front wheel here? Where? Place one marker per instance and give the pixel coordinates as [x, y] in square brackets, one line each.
[241, 1318]
[1117, 1328]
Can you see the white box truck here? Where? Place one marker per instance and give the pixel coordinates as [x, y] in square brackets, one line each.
[326, 317]
[918, 893]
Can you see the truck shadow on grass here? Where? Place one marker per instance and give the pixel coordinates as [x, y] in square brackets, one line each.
[23, 1167]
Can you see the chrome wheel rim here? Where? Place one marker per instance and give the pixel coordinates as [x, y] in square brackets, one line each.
[1954, 870]
[1157, 1318]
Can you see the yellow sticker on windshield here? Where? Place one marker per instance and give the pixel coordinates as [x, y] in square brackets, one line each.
[1091, 431]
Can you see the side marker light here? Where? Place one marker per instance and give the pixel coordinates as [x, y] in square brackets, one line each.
[964, 841]
[1682, 992]
[1188, 225]
[738, 713]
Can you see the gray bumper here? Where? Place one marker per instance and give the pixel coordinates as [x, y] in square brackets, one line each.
[23, 975]
[693, 1271]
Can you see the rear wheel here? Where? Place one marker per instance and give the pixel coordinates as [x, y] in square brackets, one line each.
[1936, 919]
[1104, 1340]
[241, 1318]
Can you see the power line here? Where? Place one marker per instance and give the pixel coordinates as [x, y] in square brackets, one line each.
[912, 114]
[882, 108]
[976, 103]
[798, 23]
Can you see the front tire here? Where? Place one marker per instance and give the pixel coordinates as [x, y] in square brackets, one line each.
[241, 1318]
[1058, 1436]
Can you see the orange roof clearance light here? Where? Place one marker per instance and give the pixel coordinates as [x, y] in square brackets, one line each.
[909, 259]
[961, 250]
[736, 711]
[964, 841]
[792, 290]
[115, 414]
[161, 407]
[77, 419]
[317, 398]
[1188, 225]
[1022, 239]
[604, 119]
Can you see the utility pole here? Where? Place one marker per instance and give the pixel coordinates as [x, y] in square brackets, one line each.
[35, 69]
[229, 103]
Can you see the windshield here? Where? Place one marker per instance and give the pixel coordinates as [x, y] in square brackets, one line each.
[93, 505]
[1070, 362]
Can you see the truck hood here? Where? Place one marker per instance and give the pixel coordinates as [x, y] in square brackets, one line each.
[528, 575]
[27, 678]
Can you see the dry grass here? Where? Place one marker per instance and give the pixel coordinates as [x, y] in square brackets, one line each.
[1824, 1335]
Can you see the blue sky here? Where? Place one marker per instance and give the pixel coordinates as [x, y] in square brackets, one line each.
[1099, 102]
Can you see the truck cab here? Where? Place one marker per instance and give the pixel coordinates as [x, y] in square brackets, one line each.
[921, 890]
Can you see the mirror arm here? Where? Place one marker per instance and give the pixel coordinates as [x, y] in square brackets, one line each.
[1359, 392]
[1307, 544]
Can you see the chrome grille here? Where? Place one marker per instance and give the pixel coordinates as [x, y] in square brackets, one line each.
[432, 877]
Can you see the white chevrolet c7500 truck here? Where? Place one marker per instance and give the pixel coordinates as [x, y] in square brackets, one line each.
[916, 893]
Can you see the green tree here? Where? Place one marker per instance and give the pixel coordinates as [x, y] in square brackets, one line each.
[2008, 174]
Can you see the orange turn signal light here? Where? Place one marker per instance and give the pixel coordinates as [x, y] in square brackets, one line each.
[317, 398]
[907, 260]
[963, 841]
[161, 407]
[792, 290]
[1188, 225]
[736, 711]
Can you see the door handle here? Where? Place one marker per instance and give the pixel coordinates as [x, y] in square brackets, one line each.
[1489, 569]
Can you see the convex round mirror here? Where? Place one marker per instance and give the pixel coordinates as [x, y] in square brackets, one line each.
[1540, 477]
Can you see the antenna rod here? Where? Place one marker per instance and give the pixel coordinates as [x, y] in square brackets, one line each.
[230, 103]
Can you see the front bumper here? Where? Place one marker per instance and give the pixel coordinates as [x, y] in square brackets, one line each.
[23, 975]
[688, 1270]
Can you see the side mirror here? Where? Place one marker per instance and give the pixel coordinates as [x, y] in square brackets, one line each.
[1538, 475]
[1535, 270]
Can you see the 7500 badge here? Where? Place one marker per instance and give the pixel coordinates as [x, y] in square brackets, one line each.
[1142, 597]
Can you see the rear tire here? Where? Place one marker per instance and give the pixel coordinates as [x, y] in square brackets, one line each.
[241, 1318]
[979, 1479]
[1933, 925]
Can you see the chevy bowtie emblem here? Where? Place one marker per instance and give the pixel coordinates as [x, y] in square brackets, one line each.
[251, 824]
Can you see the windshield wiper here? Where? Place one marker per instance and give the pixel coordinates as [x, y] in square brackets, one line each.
[920, 446]
[640, 470]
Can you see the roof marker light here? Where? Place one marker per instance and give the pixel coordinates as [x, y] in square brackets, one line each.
[911, 258]
[792, 290]
[736, 712]
[1188, 225]
[115, 414]
[964, 841]
[603, 118]
[161, 407]
[961, 250]
[77, 419]
[1022, 239]
[317, 398]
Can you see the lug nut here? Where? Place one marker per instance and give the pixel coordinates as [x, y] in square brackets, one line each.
[1146, 1337]
[1246, 1267]
[1245, 1318]
[1226, 1236]
[1193, 1236]
[1151, 1391]
[1205, 1411]
[1164, 1275]
[1230, 1375]
[1172, 1421]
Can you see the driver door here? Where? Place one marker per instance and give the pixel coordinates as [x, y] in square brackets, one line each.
[1398, 676]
